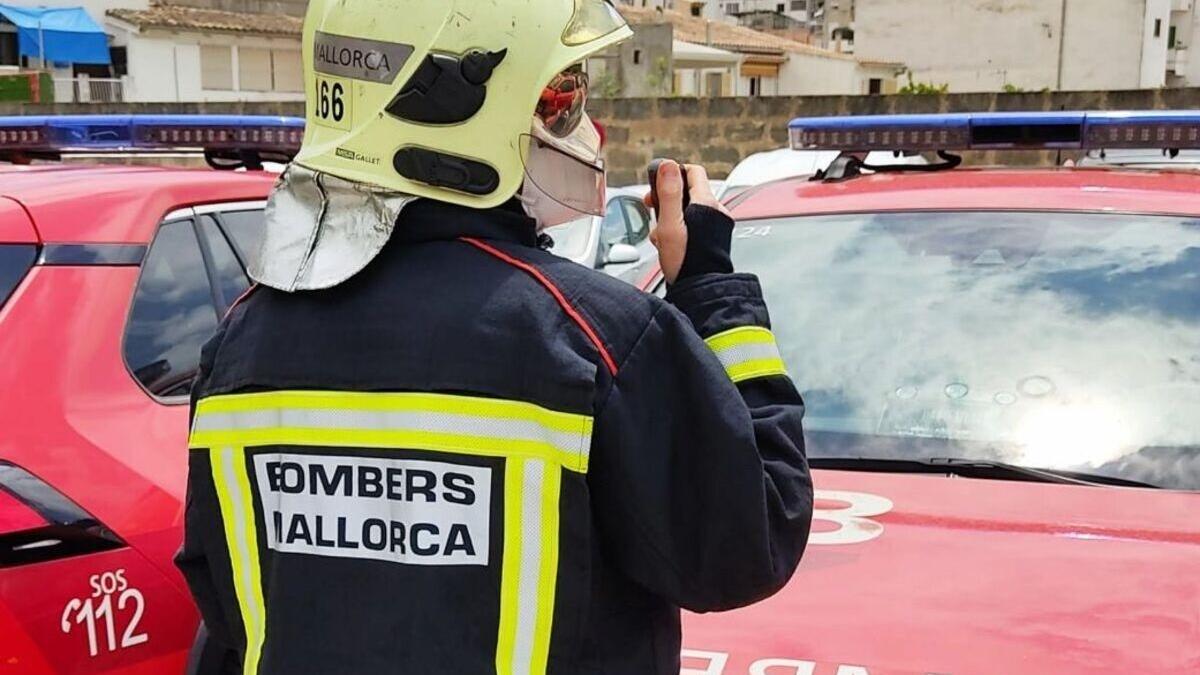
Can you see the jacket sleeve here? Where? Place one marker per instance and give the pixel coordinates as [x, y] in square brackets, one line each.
[699, 478]
[203, 552]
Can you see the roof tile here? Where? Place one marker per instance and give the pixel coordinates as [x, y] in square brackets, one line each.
[197, 19]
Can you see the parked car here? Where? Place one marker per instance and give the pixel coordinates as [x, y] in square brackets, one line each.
[1001, 369]
[763, 167]
[617, 243]
[111, 278]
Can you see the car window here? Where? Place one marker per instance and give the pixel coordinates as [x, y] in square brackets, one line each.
[1063, 341]
[613, 229]
[639, 220]
[15, 261]
[229, 276]
[173, 313]
[245, 229]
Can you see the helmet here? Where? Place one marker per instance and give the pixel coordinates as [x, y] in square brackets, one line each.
[434, 98]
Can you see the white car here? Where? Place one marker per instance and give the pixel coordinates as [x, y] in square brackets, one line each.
[617, 243]
[1150, 159]
[763, 167]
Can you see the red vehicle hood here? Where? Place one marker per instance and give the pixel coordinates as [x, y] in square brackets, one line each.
[955, 576]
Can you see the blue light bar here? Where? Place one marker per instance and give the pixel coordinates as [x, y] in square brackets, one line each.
[999, 131]
[59, 133]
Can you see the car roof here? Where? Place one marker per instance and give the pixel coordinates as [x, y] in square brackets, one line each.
[119, 204]
[1058, 189]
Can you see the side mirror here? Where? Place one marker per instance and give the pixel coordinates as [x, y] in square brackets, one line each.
[622, 254]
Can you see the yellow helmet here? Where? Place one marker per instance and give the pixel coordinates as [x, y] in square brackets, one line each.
[435, 98]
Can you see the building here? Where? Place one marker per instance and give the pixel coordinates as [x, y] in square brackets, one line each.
[1183, 69]
[197, 54]
[994, 45]
[768, 65]
[833, 22]
[65, 40]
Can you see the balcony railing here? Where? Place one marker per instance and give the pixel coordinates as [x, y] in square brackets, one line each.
[89, 90]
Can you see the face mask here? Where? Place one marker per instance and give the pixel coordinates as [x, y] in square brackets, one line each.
[564, 177]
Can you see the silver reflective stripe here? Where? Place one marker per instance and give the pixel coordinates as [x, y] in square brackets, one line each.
[236, 512]
[531, 560]
[735, 355]
[385, 420]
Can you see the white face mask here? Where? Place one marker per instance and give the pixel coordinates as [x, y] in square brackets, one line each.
[564, 177]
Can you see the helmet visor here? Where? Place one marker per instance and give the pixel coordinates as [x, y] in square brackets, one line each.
[593, 19]
[564, 177]
[561, 104]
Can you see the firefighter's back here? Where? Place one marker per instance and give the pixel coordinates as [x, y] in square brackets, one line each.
[410, 449]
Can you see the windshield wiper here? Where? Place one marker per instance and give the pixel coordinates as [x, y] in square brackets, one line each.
[971, 468]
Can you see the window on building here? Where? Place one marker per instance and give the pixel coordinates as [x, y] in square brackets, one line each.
[637, 56]
[1171, 34]
[216, 67]
[1158, 28]
[287, 69]
[875, 85]
[254, 69]
[697, 10]
[714, 84]
[756, 86]
[799, 5]
[780, 7]
[120, 61]
[731, 8]
[8, 48]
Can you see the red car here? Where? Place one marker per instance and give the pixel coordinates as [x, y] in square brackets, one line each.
[1002, 377]
[110, 280]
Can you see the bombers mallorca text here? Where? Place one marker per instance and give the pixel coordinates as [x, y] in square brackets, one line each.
[415, 512]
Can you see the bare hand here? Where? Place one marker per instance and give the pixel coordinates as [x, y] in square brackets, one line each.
[670, 236]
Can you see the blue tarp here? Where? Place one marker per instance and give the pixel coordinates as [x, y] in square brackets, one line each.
[71, 35]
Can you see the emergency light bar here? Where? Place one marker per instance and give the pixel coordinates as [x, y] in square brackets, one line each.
[219, 134]
[1173, 130]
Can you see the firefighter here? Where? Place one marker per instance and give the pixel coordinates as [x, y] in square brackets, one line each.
[424, 444]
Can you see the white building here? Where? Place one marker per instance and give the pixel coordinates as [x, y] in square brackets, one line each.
[769, 65]
[990, 45]
[192, 54]
[1183, 61]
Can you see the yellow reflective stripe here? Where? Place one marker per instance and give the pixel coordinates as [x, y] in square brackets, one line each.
[237, 516]
[510, 565]
[529, 572]
[436, 422]
[548, 574]
[739, 336]
[749, 370]
[747, 352]
[399, 401]
[398, 439]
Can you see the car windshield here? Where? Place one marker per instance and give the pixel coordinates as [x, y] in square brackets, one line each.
[1050, 340]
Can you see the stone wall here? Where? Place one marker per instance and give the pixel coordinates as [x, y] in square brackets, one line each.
[718, 132]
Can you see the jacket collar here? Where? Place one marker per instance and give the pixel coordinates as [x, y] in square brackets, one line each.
[431, 220]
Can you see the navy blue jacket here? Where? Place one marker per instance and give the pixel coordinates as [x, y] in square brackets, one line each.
[477, 457]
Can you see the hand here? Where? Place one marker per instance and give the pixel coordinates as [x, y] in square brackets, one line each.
[670, 236]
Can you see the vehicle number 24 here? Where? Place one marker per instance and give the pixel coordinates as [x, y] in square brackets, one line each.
[98, 614]
[854, 520]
